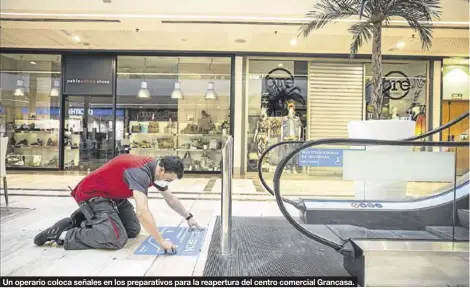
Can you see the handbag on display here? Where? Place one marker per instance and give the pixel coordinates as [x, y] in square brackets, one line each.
[187, 161]
[154, 127]
[207, 164]
[166, 143]
[214, 144]
[136, 128]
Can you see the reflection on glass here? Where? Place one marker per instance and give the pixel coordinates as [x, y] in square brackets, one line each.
[174, 116]
[277, 111]
[88, 138]
[29, 109]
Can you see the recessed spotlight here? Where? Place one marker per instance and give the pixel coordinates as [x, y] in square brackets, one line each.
[293, 42]
[76, 38]
[184, 39]
[32, 62]
[280, 65]
[400, 44]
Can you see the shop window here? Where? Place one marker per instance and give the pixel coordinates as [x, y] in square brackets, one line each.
[277, 110]
[174, 106]
[405, 92]
[29, 109]
[455, 96]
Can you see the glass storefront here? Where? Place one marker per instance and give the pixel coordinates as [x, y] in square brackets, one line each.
[29, 109]
[455, 102]
[162, 106]
[296, 99]
[405, 92]
[174, 106]
[277, 108]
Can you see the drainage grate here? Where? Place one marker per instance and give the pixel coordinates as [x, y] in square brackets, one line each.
[270, 246]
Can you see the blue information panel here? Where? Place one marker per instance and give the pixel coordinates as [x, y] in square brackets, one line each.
[188, 243]
[319, 157]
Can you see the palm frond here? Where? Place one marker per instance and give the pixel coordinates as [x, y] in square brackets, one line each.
[424, 10]
[327, 11]
[424, 31]
[419, 14]
[362, 33]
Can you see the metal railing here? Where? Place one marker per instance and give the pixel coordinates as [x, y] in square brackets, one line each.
[344, 248]
[298, 204]
[226, 197]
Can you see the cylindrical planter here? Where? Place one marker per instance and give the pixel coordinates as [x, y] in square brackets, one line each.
[382, 130]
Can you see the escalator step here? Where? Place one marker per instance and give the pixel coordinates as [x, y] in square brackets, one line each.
[463, 217]
[445, 232]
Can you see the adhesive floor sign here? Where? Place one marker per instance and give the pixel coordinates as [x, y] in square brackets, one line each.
[188, 243]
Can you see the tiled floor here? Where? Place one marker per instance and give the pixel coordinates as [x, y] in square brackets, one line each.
[19, 256]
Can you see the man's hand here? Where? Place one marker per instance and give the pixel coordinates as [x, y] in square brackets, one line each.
[193, 225]
[168, 246]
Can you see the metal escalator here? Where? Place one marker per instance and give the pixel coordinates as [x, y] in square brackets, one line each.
[342, 229]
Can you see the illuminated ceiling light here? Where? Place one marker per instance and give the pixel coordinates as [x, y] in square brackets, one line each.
[76, 38]
[293, 42]
[210, 93]
[177, 93]
[32, 62]
[19, 91]
[280, 65]
[143, 91]
[55, 89]
[400, 44]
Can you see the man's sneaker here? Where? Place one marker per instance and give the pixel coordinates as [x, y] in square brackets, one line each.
[53, 233]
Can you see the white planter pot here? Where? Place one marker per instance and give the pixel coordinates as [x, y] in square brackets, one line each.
[382, 130]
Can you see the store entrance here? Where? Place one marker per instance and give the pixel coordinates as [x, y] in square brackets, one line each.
[88, 137]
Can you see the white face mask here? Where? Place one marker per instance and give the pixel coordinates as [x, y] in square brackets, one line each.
[161, 183]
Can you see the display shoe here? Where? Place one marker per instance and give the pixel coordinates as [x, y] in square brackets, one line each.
[53, 233]
[69, 164]
[22, 143]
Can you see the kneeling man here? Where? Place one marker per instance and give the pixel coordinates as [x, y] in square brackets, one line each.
[105, 218]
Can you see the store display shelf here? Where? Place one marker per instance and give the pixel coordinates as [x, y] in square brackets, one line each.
[155, 149]
[155, 134]
[37, 147]
[199, 150]
[55, 132]
[204, 135]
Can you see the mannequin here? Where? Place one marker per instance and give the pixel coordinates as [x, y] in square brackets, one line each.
[291, 131]
[395, 113]
[262, 133]
[205, 123]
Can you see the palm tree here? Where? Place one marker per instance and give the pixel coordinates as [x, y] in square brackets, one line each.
[376, 13]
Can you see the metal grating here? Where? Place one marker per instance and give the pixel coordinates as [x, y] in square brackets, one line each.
[335, 97]
[270, 246]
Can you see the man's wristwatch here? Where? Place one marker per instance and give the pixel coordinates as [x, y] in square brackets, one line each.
[189, 217]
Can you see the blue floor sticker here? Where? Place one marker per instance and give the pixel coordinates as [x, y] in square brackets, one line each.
[188, 243]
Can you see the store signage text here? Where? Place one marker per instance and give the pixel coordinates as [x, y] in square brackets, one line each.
[87, 81]
[317, 157]
[399, 85]
[79, 111]
[74, 111]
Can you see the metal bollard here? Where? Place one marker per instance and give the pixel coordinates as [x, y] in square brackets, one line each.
[226, 197]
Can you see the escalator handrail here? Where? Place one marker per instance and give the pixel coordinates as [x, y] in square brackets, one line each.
[288, 157]
[297, 204]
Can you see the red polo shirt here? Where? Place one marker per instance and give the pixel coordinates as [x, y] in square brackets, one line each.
[118, 178]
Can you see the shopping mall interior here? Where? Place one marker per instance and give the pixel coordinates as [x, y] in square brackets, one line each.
[81, 84]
